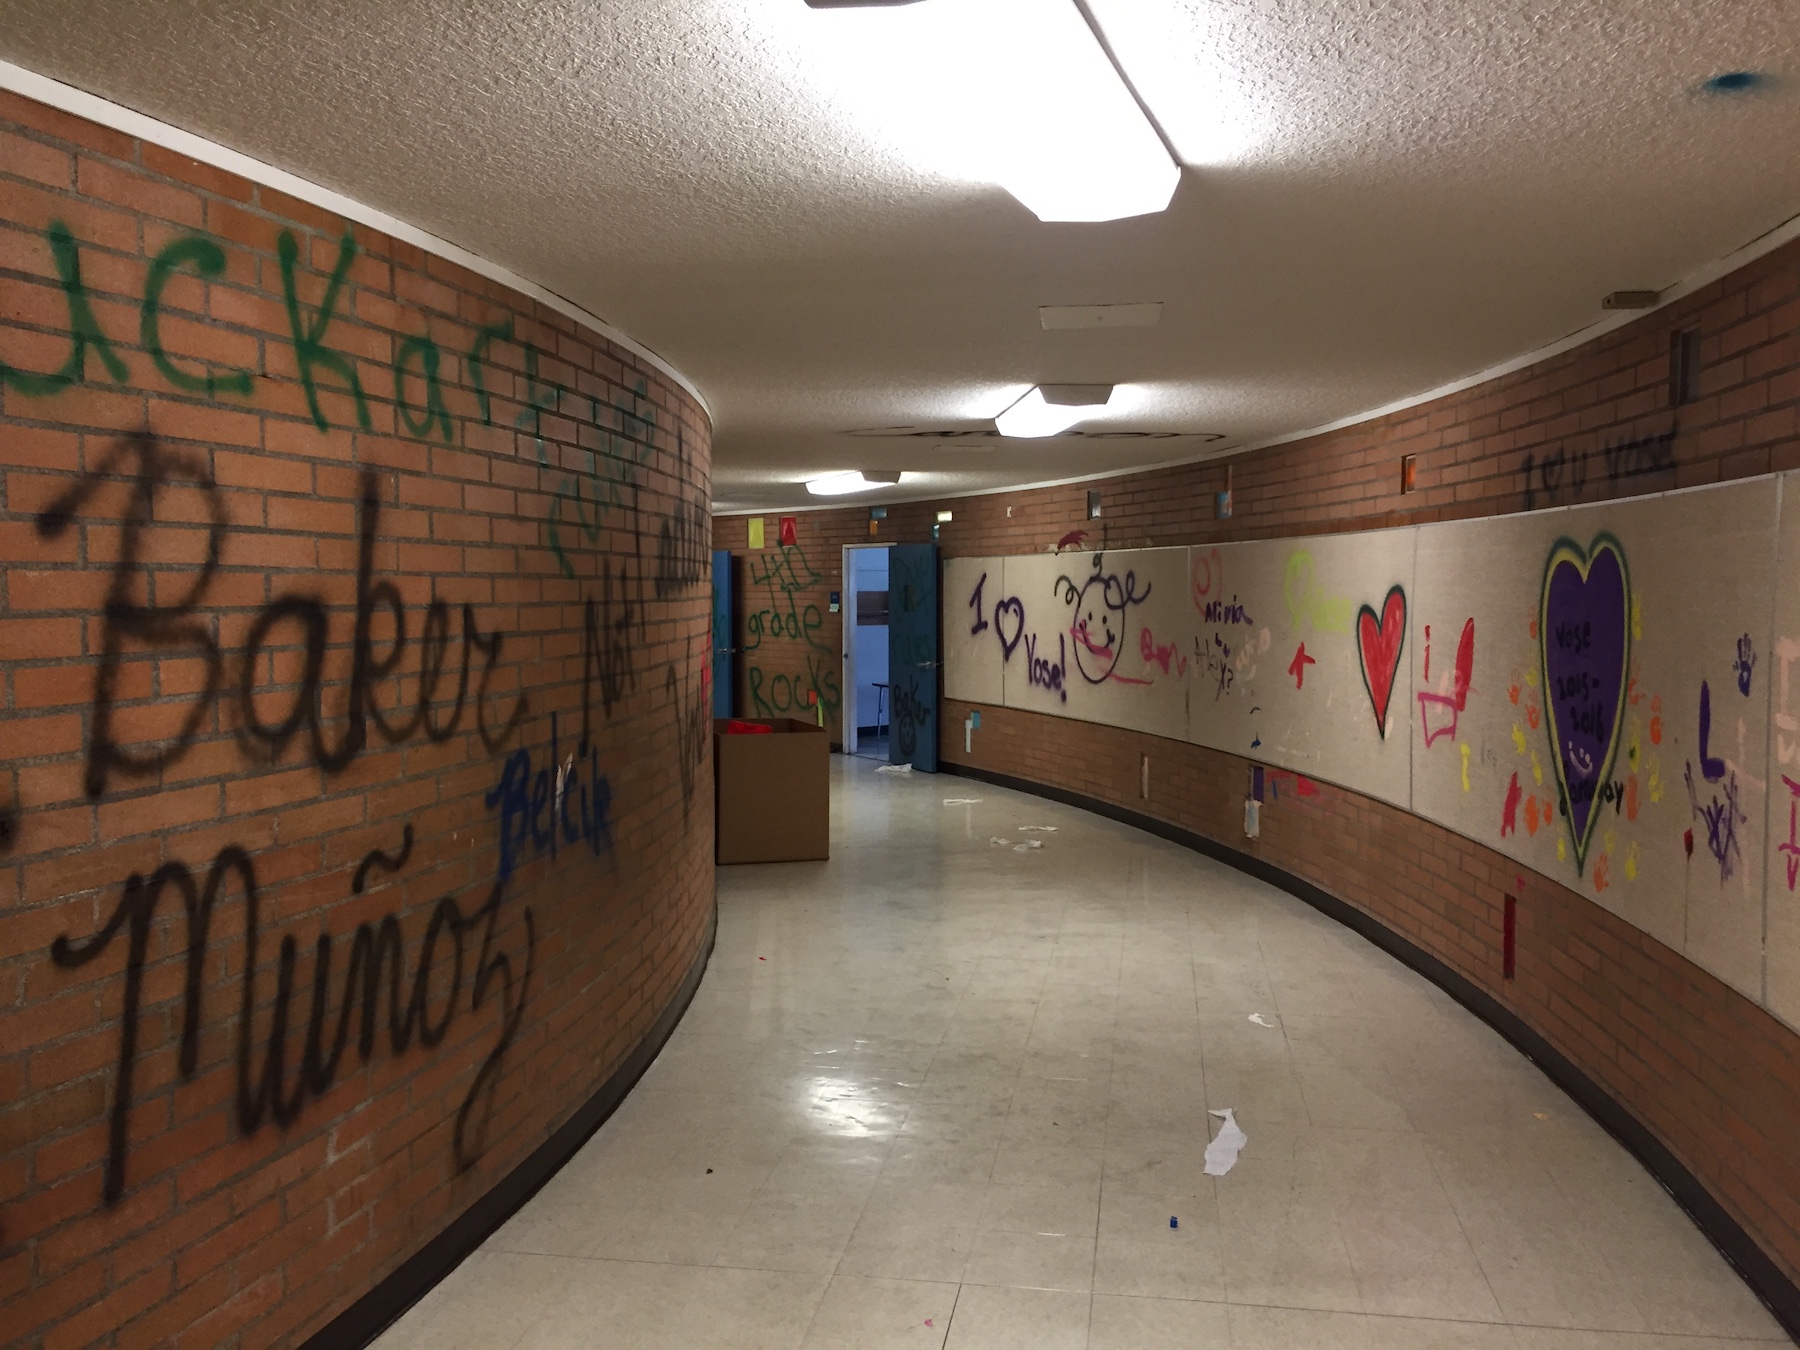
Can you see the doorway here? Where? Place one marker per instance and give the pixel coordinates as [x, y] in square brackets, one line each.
[868, 707]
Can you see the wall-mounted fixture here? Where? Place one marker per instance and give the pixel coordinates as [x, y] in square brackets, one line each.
[1051, 408]
[1409, 472]
[944, 517]
[1093, 505]
[852, 480]
[1629, 300]
[1684, 366]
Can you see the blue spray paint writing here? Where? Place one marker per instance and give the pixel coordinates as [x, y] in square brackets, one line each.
[565, 803]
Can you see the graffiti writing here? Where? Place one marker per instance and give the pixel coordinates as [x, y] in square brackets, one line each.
[1548, 479]
[1098, 624]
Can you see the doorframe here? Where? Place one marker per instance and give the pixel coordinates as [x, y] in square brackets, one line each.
[847, 640]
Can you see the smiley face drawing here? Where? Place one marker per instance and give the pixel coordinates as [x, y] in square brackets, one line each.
[1097, 625]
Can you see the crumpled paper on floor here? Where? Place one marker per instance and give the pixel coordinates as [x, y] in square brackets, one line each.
[1222, 1153]
[895, 768]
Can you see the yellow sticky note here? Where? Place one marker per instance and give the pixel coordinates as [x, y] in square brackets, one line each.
[756, 531]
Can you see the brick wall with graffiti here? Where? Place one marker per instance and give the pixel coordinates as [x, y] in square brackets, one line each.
[355, 803]
[1660, 775]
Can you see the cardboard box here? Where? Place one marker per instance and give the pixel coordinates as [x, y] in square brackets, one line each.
[773, 800]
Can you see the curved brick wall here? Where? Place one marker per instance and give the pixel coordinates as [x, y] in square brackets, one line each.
[355, 809]
[1714, 1078]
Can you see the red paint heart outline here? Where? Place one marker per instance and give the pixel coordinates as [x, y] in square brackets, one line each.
[1379, 640]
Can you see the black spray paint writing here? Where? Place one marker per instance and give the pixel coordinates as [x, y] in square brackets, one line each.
[1549, 479]
[179, 626]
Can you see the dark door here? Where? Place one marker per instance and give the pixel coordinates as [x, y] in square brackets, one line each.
[913, 655]
[724, 681]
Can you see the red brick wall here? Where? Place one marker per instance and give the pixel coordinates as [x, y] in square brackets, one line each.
[316, 666]
[1715, 1077]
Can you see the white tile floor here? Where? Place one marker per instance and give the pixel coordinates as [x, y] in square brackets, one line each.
[939, 1092]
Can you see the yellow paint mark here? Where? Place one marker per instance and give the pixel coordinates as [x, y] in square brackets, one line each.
[1464, 747]
[1519, 738]
[1537, 769]
[1531, 678]
[1631, 855]
[1562, 850]
[1637, 618]
[1656, 782]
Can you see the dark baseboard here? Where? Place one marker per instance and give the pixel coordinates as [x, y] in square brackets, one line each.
[375, 1311]
[1767, 1280]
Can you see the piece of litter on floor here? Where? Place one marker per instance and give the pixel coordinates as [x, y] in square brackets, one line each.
[1026, 846]
[927, 1321]
[1003, 843]
[1260, 1020]
[762, 958]
[1172, 1222]
[1222, 1153]
[894, 768]
[1541, 1115]
[961, 801]
[1035, 829]
[709, 1171]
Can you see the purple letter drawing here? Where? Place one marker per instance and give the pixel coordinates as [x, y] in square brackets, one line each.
[1584, 637]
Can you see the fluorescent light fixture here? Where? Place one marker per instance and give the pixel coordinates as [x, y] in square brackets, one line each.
[852, 480]
[1015, 92]
[1052, 408]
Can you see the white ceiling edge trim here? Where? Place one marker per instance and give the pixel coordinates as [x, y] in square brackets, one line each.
[1767, 242]
[79, 102]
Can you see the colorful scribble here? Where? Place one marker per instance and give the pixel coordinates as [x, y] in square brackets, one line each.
[1585, 649]
[1297, 667]
[1379, 641]
[1445, 706]
[1101, 602]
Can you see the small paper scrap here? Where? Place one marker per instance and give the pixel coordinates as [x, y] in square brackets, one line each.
[1003, 843]
[1260, 1020]
[1222, 1153]
[1027, 846]
[1035, 829]
[961, 801]
[895, 768]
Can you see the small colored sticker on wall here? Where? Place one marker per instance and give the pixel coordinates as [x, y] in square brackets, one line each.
[790, 532]
[756, 531]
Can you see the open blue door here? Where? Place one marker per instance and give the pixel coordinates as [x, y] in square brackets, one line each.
[913, 655]
[723, 682]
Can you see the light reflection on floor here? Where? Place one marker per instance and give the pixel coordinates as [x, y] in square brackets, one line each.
[938, 1092]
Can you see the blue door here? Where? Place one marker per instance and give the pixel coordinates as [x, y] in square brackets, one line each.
[913, 655]
[722, 678]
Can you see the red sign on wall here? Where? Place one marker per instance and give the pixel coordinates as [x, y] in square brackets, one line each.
[789, 536]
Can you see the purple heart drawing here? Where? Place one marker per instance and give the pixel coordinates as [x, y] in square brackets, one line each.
[1014, 608]
[1584, 639]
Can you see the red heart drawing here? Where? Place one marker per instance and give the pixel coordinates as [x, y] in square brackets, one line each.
[1378, 643]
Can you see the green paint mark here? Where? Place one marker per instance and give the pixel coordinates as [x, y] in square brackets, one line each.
[84, 328]
[310, 350]
[208, 259]
[478, 354]
[428, 356]
[1306, 602]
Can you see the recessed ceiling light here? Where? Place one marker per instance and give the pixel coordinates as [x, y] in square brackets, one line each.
[852, 480]
[1051, 408]
[1100, 316]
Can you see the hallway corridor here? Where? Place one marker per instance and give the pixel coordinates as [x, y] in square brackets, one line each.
[947, 1090]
